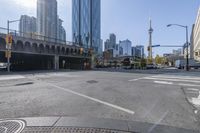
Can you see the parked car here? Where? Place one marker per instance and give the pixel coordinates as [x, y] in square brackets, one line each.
[3, 66]
[151, 66]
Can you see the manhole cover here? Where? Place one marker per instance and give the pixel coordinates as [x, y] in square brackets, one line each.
[92, 81]
[68, 130]
[11, 126]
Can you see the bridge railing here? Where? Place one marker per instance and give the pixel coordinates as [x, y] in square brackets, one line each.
[35, 36]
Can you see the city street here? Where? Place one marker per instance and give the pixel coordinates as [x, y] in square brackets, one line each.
[165, 99]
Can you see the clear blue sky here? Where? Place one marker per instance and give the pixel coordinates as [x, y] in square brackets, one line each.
[128, 19]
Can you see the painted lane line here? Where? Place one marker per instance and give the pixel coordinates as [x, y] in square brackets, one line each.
[178, 77]
[11, 77]
[95, 100]
[192, 89]
[165, 79]
[138, 79]
[135, 79]
[190, 85]
[163, 82]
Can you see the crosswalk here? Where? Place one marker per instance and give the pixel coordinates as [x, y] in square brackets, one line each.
[173, 80]
[190, 85]
[11, 77]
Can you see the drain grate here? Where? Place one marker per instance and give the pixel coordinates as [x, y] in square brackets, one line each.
[68, 130]
[11, 126]
[92, 81]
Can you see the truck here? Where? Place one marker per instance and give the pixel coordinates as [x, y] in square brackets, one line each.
[181, 64]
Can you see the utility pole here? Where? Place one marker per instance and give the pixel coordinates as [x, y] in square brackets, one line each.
[8, 50]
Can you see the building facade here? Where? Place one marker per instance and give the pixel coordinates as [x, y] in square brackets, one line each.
[140, 51]
[111, 45]
[125, 46]
[61, 33]
[27, 26]
[177, 52]
[192, 53]
[196, 37]
[86, 23]
[47, 18]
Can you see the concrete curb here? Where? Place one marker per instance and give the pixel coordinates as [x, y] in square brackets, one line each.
[119, 125]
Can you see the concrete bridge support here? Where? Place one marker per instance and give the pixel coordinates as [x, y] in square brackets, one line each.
[56, 62]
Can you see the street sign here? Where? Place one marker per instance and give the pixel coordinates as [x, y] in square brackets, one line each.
[8, 54]
[155, 46]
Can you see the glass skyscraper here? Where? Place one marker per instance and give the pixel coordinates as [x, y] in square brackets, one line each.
[86, 23]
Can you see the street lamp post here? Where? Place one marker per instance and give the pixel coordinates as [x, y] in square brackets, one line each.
[8, 49]
[187, 56]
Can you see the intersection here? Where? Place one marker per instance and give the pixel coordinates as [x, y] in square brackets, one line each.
[170, 99]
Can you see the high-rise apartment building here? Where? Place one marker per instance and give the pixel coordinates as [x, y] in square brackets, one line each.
[47, 18]
[111, 42]
[27, 26]
[125, 46]
[140, 49]
[196, 37]
[86, 23]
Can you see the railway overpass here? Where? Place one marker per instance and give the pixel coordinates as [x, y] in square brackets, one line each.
[36, 53]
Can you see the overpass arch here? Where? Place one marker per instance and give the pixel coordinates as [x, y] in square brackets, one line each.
[27, 46]
[41, 48]
[47, 49]
[20, 45]
[2, 43]
[63, 50]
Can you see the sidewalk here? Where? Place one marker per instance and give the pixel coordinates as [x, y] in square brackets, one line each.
[90, 125]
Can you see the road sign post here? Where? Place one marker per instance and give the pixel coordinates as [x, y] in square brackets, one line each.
[8, 50]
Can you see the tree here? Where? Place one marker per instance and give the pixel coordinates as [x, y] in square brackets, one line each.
[158, 59]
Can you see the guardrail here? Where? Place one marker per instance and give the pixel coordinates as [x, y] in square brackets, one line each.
[35, 36]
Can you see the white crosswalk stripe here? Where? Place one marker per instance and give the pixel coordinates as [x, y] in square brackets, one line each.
[188, 81]
[11, 77]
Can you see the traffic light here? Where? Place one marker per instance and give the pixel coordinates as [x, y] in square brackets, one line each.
[148, 48]
[81, 51]
[8, 39]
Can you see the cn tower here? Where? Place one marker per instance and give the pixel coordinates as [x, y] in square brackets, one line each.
[150, 43]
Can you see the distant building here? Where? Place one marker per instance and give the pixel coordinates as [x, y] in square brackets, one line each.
[140, 51]
[100, 48]
[27, 26]
[196, 37]
[177, 52]
[47, 18]
[86, 23]
[61, 33]
[111, 42]
[125, 46]
[111, 45]
[133, 51]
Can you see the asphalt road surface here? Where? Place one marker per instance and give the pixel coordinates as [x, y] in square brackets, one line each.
[166, 99]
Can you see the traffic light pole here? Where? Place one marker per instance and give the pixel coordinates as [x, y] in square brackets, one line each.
[187, 53]
[7, 50]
